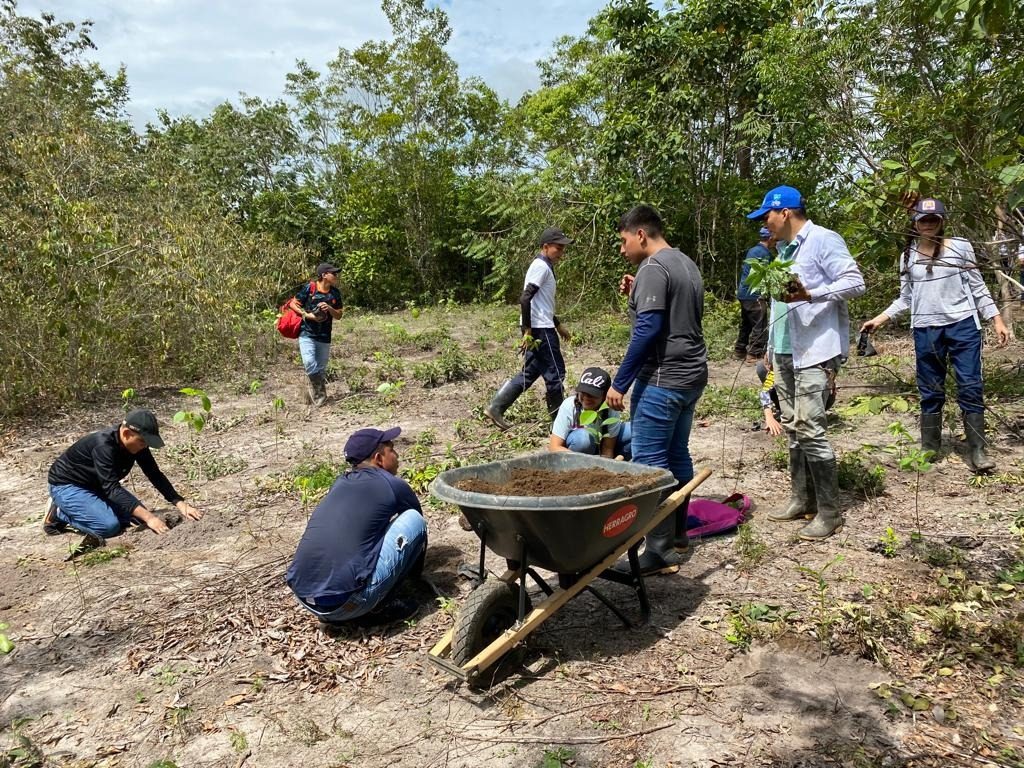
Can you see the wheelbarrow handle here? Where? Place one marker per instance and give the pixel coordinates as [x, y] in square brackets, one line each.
[670, 504]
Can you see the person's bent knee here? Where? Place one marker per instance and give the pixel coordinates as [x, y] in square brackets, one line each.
[580, 441]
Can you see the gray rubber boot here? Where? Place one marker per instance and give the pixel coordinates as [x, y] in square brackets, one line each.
[802, 502]
[931, 432]
[501, 402]
[974, 427]
[826, 490]
[318, 389]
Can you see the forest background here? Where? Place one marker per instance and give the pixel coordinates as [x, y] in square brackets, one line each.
[160, 256]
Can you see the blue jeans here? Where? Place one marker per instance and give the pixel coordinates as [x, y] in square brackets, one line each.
[661, 422]
[315, 355]
[546, 360]
[404, 542]
[581, 441]
[86, 512]
[959, 344]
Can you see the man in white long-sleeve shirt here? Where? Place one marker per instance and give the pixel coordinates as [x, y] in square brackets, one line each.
[809, 340]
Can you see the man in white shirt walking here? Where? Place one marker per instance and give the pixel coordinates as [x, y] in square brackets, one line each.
[809, 340]
[541, 329]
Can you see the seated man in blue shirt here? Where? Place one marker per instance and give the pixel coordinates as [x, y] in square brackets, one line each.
[363, 540]
[608, 435]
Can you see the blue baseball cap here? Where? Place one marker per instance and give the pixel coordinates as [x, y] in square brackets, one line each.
[777, 199]
[928, 206]
[764, 232]
[363, 443]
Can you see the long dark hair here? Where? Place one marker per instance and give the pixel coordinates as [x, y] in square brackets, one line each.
[913, 234]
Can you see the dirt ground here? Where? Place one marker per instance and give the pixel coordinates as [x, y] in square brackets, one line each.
[875, 647]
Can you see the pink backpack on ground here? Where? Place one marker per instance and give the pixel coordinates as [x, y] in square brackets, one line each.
[706, 517]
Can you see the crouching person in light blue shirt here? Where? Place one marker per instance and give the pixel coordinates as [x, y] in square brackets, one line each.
[809, 338]
[607, 434]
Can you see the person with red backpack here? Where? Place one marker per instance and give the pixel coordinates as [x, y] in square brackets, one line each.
[318, 304]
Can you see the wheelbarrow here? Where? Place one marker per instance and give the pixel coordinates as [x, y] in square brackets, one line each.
[577, 537]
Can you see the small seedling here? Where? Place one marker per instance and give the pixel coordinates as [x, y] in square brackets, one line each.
[195, 419]
[6, 646]
[772, 278]
[890, 542]
[127, 396]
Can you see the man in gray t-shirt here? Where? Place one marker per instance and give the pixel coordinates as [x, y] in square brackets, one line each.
[669, 362]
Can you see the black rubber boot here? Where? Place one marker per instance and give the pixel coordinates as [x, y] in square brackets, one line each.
[554, 401]
[681, 540]
[974, 427]
[931, 432]
[501, 402]
[802, 502]
[826, 490]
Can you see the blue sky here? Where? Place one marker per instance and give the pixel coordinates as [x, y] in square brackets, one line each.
[187, 56]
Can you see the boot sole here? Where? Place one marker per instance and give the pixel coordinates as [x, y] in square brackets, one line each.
[668, 569]
[808, 516]
[804, 537]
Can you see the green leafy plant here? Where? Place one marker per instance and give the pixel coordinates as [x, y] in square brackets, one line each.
[589, 420]
[856, 473]
[103, 555]
[770, 278]
[196, 419]
[890, 542]
[825, 617]
[127, 396]
[751, 621]
[750, 547]
[868, 405]
[6, 646]
[557, 758]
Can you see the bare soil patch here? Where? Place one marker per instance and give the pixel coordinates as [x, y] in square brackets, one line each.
[895, 643]
[529, 481]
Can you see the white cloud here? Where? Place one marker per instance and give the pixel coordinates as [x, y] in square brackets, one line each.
[186, 56]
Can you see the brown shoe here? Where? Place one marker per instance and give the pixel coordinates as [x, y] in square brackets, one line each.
[52, 525]
[751, 359]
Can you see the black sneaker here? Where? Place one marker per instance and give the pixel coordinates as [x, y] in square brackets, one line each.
[394, 610]
[52, 525]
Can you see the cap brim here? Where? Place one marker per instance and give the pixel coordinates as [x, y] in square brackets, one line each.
[759, 213]
[152, 441]
[589, 390]
[919, 216]
[390, 434]
[560, 241]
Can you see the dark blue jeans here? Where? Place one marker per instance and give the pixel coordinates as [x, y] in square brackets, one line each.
[661, 421]
[959, 344]
[546, 360]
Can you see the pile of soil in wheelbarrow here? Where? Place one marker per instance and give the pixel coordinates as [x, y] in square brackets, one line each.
[545, 482]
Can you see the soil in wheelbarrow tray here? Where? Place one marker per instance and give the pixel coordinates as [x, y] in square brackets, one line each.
[546, 482]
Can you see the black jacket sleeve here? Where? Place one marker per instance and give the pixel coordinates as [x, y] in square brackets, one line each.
[524, 305]
[159, 480]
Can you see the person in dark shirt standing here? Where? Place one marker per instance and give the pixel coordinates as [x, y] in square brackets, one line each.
[363, 540]
[753, 336]
[85, 482]
[318, 304]
[541, 329]
[668, 361]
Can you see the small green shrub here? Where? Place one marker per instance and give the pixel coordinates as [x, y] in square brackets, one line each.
[452, 364]
[856, 474]
[721, 323]
[742, 402]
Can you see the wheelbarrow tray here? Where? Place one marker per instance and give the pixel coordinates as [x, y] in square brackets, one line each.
[564, 534]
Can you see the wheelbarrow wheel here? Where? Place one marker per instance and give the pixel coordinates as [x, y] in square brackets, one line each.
[489, 610]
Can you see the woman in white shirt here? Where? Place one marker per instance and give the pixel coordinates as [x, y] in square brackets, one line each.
[941, 285]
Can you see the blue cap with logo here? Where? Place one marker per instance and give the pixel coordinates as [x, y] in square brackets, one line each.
[764, 232]
[777, 199]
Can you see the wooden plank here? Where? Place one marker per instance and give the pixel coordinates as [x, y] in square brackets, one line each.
[544, 610]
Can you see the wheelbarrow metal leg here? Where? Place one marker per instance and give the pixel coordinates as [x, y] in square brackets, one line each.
[524, 568]
[611, 607]
[639, 585]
